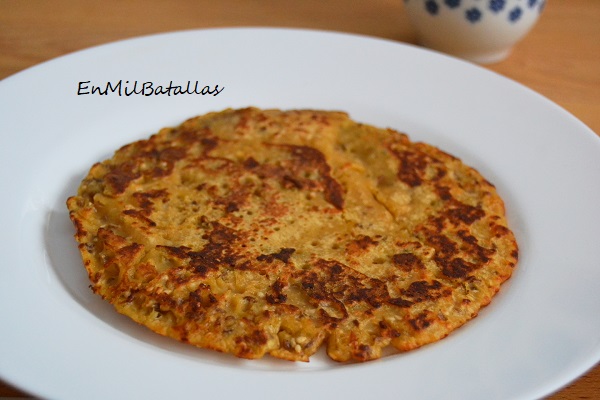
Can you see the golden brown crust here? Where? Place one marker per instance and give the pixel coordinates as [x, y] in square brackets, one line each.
[260, 232]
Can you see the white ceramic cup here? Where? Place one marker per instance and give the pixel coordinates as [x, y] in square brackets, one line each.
[482, 31]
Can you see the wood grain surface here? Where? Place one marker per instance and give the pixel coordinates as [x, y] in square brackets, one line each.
[560, 58]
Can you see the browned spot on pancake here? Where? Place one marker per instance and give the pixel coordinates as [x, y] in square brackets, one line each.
[446, 256]
[198, 302]
[221, 234]
[162, 161]
[499, 231]
[177, 252]
[121, 175]
[80, 230]
[291, 182]
[209, 144]
[443, 192]
[361, 245]
[412, 167]
[471, 246]
[219, 252]
[171, 154]
[455, 267]
[127, 253]
[310, 159]
[146, 199]
[444, 247]
[283, 255]
[139, 215]
[277, 296]
[151, 162]
[421, 322]
[231, 207]
[400, 302]
[250, 163]
[111, 241]
[231, 199]
[363, 352]
[419, 291]
[256, 338]
[330, 280]
[460, 212]
[334, 193]
[189, 135]
[407, 262]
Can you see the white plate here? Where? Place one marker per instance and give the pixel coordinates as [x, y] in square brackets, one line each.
[58, 340]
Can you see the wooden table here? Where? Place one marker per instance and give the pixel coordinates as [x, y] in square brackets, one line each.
[560, 58]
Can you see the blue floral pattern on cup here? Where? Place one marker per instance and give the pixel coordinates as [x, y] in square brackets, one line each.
[497, 5]
[432, 7]
[515, 14]
[452, 3]
[475, 14]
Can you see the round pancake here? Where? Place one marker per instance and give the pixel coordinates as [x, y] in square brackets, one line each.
[258, 232]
